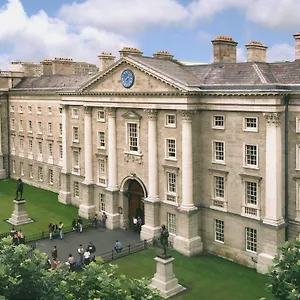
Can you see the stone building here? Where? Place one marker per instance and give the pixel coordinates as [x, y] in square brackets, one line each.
[210, 150]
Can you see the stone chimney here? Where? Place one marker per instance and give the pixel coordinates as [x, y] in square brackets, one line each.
[106, 59]
[297, 45]
[129, 51]
[256, 52]
[63, 66]
[163, 54]
[46, 67]
[224, 49]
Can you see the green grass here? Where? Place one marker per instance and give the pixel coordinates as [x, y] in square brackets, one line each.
[206, 276]
[41, 206]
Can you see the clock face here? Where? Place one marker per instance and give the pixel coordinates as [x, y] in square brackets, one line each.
[127, 78]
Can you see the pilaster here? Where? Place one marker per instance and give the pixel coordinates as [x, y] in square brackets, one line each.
[87, 208]
[111, 209]
[64, 195]
[2, 170]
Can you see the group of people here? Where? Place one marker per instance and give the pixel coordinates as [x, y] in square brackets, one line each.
[137, 224]
[77, 224]
[103, 220]
[17, 236]
[53, 229]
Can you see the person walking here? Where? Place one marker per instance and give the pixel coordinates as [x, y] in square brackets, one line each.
[95, 221]
[80, 253]
[134, 223]
[50, 230]
[80, 224]
[54, 252]
[61, 232]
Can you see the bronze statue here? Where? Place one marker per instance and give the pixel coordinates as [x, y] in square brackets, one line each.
[19, 189]
[164, 235]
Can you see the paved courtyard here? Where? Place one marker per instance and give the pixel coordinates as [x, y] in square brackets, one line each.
[103, 239]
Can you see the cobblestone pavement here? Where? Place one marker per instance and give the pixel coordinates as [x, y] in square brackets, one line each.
[103, 239]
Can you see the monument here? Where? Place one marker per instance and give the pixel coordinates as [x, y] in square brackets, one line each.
[164, 279]
[19, 215]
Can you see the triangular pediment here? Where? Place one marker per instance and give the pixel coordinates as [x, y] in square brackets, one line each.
[145, 81]
[131, 115]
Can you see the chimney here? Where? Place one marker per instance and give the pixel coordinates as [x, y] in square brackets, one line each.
[46, 67]
[297, 45]
[163, 54]
[129, 51]
[256, 52]
[106, 59]
[224, 49]
[63, 66]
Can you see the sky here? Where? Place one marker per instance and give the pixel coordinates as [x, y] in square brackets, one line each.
[32, 30]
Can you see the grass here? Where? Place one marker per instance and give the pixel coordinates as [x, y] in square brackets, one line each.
[206, 276]
[41, 206]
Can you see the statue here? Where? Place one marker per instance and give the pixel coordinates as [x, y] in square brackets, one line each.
[164, 235]
[19, 190]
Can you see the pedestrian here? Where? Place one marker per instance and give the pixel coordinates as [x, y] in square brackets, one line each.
[139, 224]
[54, 252]
[95, 221]
[118, 246]
[74, 224]
[55, 264]
[86, 256]
[48, 263]
[91, 248]
[72, 262]
[61, 232]
[50, 230]
[80, 253]
[15, 239]
[21, 237]
[55, 228]
[80, 224]
[104, 218]
[135, 224]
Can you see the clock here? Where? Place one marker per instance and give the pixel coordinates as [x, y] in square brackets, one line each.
[127, 78]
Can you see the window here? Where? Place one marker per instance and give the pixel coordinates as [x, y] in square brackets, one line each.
[20, 109]
[171, 148]
[75, 114]
[76, 189]
[13, 146]
[171, 223]
[171, 120]
[29, 108]
[102, 202]
[49, 110]
[251, 156]
[132, 130]
[21, 144]
[298, 157]
[76, 162]
[101, 139]
[40, 144]
[30, 171]
[102, 171]
[60, 151]
[21, 128]
[30, 146]
[101, 116]
[50, 150]
[29, 126]
[218, 189]
[40, 128]
[39, 110]
[76, 134]
[50, 176]
[12, 124]
[12, 108]
[171, 187]
[251, 124]
[218, 152]
[297, 199]
[251, 240]
[22, 168]
[218, 122]
[219, 231]
[50, 128]
[60, 110]
[13, 166]
[60, 129]
[40, 174]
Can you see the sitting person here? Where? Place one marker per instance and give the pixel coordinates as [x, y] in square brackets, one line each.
[118, 246]
[55, 264]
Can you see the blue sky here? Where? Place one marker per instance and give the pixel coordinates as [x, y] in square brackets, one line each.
[31, 30]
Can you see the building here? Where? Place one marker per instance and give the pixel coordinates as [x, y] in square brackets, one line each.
[210, 150]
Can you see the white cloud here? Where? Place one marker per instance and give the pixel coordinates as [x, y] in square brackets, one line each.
[281, 52]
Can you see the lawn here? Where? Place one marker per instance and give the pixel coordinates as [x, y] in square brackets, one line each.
[206, 276]
[41, 206]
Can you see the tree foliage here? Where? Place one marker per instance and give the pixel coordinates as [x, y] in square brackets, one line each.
[284, 275]
[24, 275]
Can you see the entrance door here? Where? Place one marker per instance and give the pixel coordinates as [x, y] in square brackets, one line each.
[136, 205]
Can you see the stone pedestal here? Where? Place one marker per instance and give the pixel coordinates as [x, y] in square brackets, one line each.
[19, 215]
[164, 279]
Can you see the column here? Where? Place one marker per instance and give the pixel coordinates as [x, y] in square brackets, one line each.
[274, 171]
[88, 146]
[187, 161]
[112, 151]
[2, 171]
[151, 228]
[64, 138]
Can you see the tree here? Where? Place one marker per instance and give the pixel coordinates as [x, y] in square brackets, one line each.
[24, 275]
[284, 275]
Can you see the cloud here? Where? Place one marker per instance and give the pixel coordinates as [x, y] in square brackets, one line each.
[281, 52]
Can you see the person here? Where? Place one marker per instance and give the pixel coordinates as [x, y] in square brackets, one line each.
[72, 262]
[54, 252]
[164, 235]
[21, 237]
[91, 248]
[50, 230]
[80, 225]
[135, 224]
[55, 264]
[19, 189]
[48, 263]
[61, 232]
[104, 218]
[74, 224]
[80, 253]
[55, 228]
[15, 239]
[86, 257]
[139, 224]
[118, 246]
[95, 221]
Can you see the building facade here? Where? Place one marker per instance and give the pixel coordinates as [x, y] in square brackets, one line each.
[210, 150]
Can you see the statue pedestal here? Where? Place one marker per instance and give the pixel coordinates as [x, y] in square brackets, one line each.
[19, 215]
[164, 279]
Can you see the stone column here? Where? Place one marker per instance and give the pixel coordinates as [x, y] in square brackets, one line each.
[87, 208]
[2, 171]
[152, 226]
[64, 193]
[187, 240]
[274, 205]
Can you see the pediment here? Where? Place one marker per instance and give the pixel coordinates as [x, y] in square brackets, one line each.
[132, 115]
[144, 81]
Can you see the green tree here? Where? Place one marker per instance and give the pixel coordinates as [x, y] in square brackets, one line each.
[24, 275]
[284, 275]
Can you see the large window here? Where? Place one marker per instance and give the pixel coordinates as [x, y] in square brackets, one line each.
[76, 189]
[171, 148]
[30, 171]
[21, 144]
[30, 146]
[40, 146]
[40, 174]
[50, 128]
[22, 168]
[75, 114]
[171, 120]
[101, 115]
[218, 189]
[218, 152]
[60, 151]
[251, 240]
[12, 124]
[250, 124]
[40, 128]
[251, 156]
[101, 202]
[132, 129]
[21, 127]
[75, 134]
[102, 172]
[101, 140]
[171, 194]
[50, 175]
[30, 126]
[76, 162]
[219, 231]
[171, 223]
[13, 166]
[50, 150]
[60, 129]
[218, 122]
